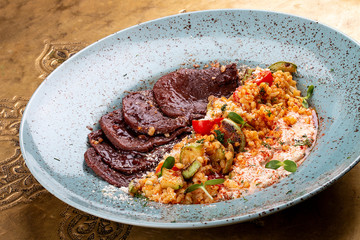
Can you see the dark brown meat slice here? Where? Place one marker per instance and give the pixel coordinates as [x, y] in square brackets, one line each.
[142, 114]
[106, 162]
[94, 161]
[185, 92]
[126, 162]
[122, 137]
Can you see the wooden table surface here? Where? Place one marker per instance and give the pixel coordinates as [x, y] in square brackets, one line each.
[30, 31]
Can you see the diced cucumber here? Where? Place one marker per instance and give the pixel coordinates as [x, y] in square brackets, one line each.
[232, 134]
[133, 188]
[191, 170]
[283, 66]
[171, 179]
[191, 152]
[247, 74]
[229, 159]
[218, 155]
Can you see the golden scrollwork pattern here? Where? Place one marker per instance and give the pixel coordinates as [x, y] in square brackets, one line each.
[17, 185]
[55, 54]
[82, 226]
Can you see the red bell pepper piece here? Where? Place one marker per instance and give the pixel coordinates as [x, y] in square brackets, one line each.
[264, 76]
[204, 127]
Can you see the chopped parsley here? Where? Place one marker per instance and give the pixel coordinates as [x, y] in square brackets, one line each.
[223, 107]
[200, 141]
[305, 142]
[140, 196]
[262, 91]
[219, 136]
[268, 112]
[265, 144]
[273, 100]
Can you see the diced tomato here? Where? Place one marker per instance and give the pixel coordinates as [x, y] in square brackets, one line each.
[204, 127]
[264, 76]
[175, 168]
[236, 94]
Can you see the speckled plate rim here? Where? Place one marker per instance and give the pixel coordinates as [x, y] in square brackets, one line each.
[201, 224]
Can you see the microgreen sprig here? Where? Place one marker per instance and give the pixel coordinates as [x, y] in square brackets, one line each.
[169, 164]
[202, 186]
[238, 119]
[309, 93]
[289, 165]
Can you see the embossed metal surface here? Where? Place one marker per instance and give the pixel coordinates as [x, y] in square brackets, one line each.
[333, 214]
[77, 94]
[17, 185]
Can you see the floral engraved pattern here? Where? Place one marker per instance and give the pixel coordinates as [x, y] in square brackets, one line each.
[17, 185]
[54, 54]
[80, 226]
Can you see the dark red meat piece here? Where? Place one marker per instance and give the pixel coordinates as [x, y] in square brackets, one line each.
[118, 179]
[119, 167]
[185, 92]
[126, 162]
[141, 113]
[122, 137]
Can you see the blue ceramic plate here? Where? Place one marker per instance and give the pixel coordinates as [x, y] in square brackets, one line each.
[53, 132]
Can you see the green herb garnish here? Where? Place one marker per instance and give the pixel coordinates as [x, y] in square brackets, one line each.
[203, 185]
[223, 107]
[219, 136]
[140, 196]
[289, 165]
[306, 142]
[262, 91]
[273, 99]
[281, 143]
[169, 164]
[265, 144]
[200, 141]
[268, 112]
[247, 74]
[238, 119]
[309, 93]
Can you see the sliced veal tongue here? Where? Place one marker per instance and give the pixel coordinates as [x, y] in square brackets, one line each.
[142, 114]
[118, 179]
[122, 137]
[185, 92]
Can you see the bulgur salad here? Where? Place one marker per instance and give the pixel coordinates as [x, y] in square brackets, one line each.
[245, 143]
